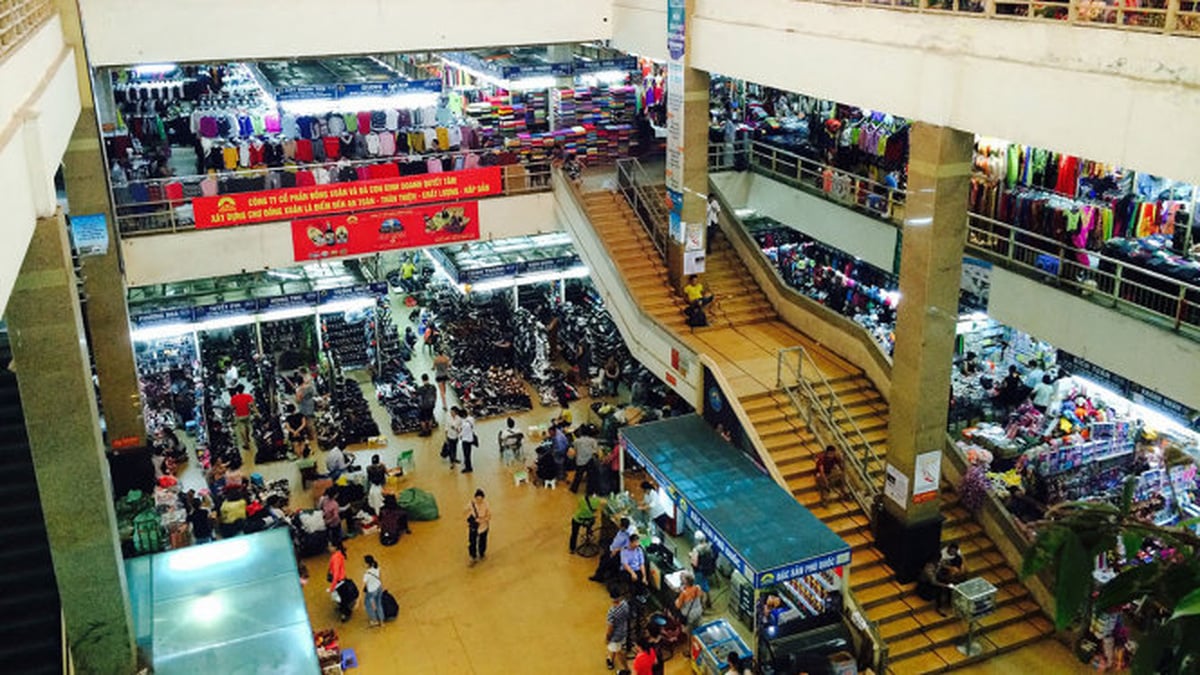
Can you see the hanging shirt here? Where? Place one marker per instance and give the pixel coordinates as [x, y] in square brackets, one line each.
[387, 143]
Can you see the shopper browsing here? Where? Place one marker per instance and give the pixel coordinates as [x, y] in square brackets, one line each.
[297, 431]
[612, 376]
[617, 630]
[453, 428]
[690, 602]
[332, 515]
[306, 402]
[372, 592]
[585, 457]
[231, 376]
[643, 663]
[468, 438]
[1042, 393]
[441, 372]
[561, 444]
[243, 411]
[427, 396]
[704, 564]
[337, 566]
[479, 521]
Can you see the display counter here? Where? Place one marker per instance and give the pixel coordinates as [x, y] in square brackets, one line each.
[782, 557]
[711, 645]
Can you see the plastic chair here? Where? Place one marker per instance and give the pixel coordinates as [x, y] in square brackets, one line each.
[519, 477]
[407, 460]
[550, 483]
[349, 659]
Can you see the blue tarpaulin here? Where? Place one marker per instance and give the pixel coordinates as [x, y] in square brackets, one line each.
[766, 534]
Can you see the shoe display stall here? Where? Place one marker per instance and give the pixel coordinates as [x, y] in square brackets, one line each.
[224, 607]
[786, 570]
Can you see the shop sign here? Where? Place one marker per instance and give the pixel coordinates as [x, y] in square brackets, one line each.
[307, 92]
[237, 308]
[718, 541]
[627, 63]
[320, 200]
[349, 292]
[803, 569]
[387, 230]
[1123, 386]
[537, 70]
[89, 234]
[431, 86]
[166, 316]
[693, 262]
[674, 161]
[284, 301]
[476, 275]
[896, 486]
[926, 476]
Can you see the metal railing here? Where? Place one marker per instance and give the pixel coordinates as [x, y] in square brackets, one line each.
[823, 180]
[1169, 17]
[1172, 303]
[644, 197]
[156, 213]
[816, 401]
[19, 19]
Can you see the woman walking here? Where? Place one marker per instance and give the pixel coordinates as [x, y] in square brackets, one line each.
[372, 592]
[479, 519]
[441, 373]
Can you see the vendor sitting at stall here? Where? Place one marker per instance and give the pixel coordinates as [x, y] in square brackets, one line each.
[610, 562]
[633, 562]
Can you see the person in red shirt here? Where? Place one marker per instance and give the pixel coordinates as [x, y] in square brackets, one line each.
[830, 473]
[243, 412]
[643, 663]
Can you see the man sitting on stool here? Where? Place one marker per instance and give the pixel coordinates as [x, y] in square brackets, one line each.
[633, 563]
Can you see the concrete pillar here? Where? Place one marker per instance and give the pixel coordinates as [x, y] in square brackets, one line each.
[86, 179]
[687, 108]
[51, 362]
[930, 273]
[559, 54]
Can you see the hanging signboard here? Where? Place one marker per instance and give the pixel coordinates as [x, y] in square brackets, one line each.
[89, 233]
[320, 200]
[387, 230]
[927, 475]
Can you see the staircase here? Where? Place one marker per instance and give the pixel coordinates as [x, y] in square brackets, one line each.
[919, 639]
[30, 619]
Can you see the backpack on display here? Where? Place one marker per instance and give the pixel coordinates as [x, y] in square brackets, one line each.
[391, 608]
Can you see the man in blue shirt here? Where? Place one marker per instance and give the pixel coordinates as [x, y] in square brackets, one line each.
[633, 561]
[561, 444]
[611, 560]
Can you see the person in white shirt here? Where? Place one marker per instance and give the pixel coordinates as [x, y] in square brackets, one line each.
[372, 592]
[231, 378]
[1042, 393]
[467, 437]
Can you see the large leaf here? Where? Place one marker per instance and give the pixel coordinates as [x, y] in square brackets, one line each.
[1188, 605]
[1044, 550]
[1127, 586]
[1073, 580]
[1150, 650]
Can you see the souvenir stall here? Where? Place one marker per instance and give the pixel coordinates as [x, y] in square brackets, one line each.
[847, 285]
[225, 607]
[787, 569]
[1079, 438]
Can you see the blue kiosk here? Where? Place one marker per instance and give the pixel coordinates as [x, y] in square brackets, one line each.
[788, 569]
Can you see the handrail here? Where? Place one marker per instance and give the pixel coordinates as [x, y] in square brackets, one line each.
[1175, 303]
[21, 18]
[609, 267]
[156, 216]
[817, 178]
[640, 192]
[735, 231]
[1171, 17]
[827, 410]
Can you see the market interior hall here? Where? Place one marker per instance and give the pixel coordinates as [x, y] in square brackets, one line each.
[453, 345]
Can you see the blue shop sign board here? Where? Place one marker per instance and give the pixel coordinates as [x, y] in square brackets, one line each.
[767, 535]
[163, 317]
[341, 91]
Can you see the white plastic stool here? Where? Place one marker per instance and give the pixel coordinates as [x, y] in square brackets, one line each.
[550, 483]
[520, 477]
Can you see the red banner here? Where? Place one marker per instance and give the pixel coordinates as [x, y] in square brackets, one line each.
[388, 230]
[320, 200]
